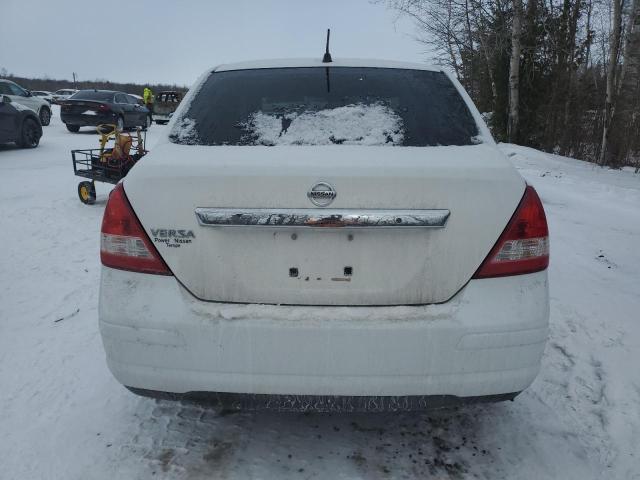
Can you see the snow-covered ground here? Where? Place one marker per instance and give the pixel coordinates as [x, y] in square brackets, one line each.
[62, 415]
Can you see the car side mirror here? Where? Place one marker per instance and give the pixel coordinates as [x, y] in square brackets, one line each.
[5, 99]
[28, 92]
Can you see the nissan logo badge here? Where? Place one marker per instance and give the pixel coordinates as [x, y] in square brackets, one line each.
[321, 194]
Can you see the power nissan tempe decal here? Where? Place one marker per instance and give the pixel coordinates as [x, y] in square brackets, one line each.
[172, 238]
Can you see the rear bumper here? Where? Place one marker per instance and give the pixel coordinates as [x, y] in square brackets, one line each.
[323, 403]
[487, 340]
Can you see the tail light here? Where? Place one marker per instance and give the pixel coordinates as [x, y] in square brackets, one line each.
[123, 242]
[104, 108]
[523, 246]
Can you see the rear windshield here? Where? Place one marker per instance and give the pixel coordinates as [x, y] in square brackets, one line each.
[325, 106]
[93, 95]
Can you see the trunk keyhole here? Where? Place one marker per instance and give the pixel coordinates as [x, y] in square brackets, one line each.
[348, 271]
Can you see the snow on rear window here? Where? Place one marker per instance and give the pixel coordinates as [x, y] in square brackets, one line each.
[185, 131]
[324, 106]
[357, 124]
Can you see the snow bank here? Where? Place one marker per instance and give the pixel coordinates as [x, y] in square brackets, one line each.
[357, 124]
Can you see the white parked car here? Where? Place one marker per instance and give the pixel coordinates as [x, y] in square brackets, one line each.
[48, 96]
[24, 97]
[63, 94]
[328, 236]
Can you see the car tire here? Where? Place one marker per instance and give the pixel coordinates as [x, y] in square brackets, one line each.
[45, 116]
[31, 133]
[120, 123]
[87, 193]
[73, 128]
[148, 123]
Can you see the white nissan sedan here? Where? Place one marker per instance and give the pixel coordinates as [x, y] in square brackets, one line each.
[326, 236]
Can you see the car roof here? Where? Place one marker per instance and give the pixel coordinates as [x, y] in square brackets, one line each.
[317, 62]
[98, 90]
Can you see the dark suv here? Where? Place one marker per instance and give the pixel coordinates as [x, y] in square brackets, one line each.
[18, 124]
[89, 108]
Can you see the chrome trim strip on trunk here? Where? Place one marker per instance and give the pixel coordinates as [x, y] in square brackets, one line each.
[326, 218]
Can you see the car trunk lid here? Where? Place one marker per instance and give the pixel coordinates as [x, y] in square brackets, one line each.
[474, 187]
[80, 106]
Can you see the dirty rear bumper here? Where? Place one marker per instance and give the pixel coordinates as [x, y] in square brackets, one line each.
[322, 403]
[488, 340]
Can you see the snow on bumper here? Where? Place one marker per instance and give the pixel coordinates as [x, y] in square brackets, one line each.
[487, 340]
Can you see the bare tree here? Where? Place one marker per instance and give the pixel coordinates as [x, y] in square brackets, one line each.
[609, 105]
[514, 72]
[625, 122]
[530, 65]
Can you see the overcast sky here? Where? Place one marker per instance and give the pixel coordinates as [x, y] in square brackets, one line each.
[175, 41]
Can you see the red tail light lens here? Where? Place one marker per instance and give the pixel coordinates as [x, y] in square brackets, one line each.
[523, 246]
[123, 242]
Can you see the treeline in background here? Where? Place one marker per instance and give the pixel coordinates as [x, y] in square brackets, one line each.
[559, 75]
[51, 85]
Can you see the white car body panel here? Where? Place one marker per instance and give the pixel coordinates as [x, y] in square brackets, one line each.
[317, 62]
[161, 117]
[63, 94]
[487, 340]
[33, 102]
[476, 183]
[410, 320]
[48, 96]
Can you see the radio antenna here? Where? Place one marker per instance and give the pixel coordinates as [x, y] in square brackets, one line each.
[327, 55]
